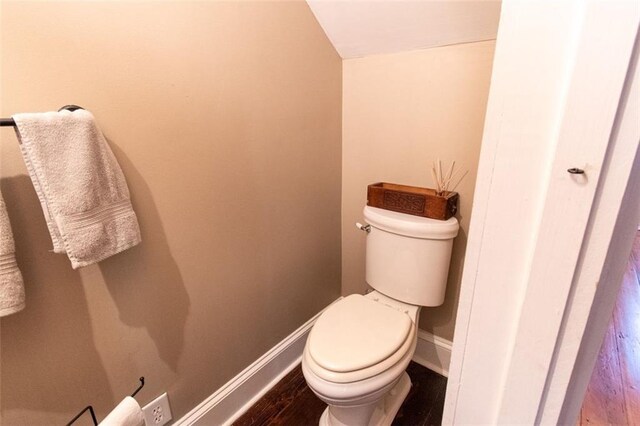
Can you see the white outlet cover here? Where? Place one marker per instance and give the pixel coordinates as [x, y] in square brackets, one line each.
[158, 411]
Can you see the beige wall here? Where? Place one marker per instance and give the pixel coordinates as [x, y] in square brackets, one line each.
[226, 119]
[401, 112]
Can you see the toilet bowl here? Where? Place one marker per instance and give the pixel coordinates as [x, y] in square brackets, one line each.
[359, 348]
[356, 356]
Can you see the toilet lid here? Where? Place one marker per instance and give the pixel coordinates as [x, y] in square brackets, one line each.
[356, 333]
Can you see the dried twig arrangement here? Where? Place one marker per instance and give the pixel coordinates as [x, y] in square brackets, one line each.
[445, 181]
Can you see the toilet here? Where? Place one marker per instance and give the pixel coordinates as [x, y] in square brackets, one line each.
[359, 348]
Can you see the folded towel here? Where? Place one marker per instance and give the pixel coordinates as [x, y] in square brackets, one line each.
[80, 185]
[11, 286]
[127, 413]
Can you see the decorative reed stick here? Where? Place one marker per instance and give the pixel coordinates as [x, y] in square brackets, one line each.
[444, 181]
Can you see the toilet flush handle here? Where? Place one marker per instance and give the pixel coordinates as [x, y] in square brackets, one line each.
[365, 228]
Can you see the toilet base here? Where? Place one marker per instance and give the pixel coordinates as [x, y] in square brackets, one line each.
[380, 413]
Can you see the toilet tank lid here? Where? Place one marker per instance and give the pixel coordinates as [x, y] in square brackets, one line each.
[410, 225]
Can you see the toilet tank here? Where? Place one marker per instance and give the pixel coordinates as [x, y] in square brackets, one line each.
[408, 256]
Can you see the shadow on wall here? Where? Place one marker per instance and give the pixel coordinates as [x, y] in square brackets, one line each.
[49, 346]
[50, 349]
[442, 315]
[147, 287]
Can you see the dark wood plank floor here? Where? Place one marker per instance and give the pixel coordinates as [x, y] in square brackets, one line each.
[613, 395]
[291, 402]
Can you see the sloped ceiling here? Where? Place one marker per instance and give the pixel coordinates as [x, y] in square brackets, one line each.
[370, 27]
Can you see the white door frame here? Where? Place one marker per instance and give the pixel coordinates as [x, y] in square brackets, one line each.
[603, 259]
[545, 246]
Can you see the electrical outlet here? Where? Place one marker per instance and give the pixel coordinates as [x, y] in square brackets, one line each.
[157, 412]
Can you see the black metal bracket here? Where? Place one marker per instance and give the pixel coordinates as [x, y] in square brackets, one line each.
[93, 416]
[90, 407]
[139, 387]
[70, 108]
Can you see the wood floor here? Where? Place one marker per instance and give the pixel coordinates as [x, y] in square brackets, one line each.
[612, 398]
[613, 395]
[291, 402]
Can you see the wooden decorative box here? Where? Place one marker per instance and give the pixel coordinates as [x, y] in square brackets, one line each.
[412, 200]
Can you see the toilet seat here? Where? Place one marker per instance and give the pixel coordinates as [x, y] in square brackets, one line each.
[357, 333]
[360, 337]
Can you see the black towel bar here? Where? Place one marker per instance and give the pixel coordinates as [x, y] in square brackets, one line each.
[5, 122]
[8, 122]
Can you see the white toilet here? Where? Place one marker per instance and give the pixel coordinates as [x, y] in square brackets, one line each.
[357, 351]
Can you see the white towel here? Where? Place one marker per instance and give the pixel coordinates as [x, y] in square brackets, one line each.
[127, 413]
[11, 285]
[80, 185]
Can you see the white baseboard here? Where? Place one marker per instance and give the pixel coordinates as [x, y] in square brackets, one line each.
[233, 399]
[433, 352]
[240, 393]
